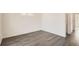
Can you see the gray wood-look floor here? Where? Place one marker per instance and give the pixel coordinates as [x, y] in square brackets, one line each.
[73, 39]
[38, 38]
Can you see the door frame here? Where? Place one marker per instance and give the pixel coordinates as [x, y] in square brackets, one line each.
[70, 24]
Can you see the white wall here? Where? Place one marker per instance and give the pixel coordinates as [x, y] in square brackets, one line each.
[16, 23]
[54, 23]
[0, 28]
[76, 21]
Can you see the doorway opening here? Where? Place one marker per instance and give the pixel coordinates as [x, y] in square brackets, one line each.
[72, 28]
[72, 23]
[76, 22]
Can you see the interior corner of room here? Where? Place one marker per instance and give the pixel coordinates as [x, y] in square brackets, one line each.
[13, 24]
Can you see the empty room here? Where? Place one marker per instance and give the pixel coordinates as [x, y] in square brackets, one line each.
[32, 29]
[39, 29]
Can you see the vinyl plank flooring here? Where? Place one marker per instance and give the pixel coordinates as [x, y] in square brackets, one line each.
[38, 38]
[73, 39]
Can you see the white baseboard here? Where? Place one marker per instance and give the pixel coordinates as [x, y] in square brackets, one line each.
[20, 34]
[55, 33]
